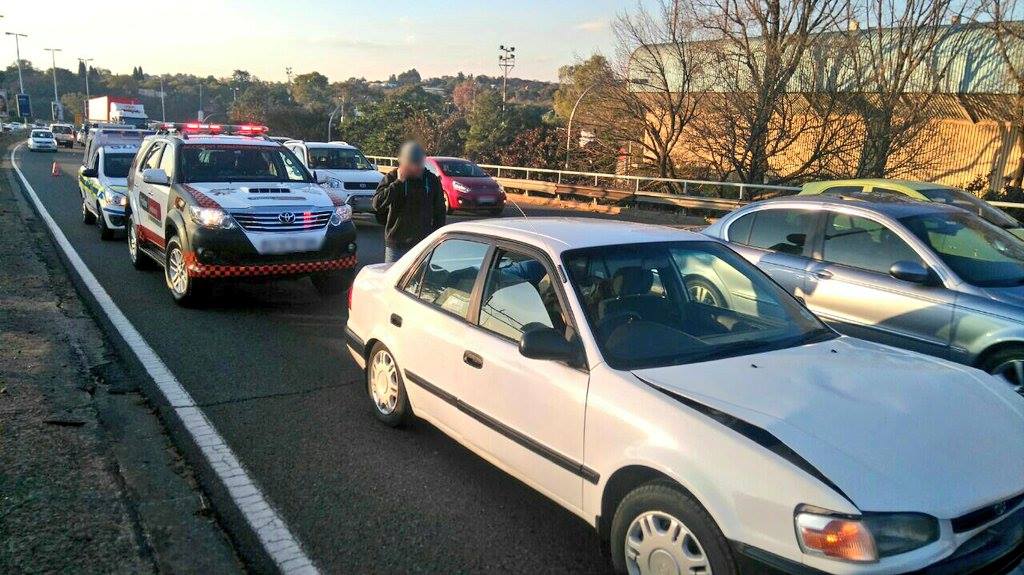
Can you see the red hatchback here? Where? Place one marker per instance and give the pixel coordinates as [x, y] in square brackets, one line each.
[466, 186]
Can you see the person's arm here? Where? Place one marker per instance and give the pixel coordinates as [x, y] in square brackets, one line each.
[387, 192]
[440, 213]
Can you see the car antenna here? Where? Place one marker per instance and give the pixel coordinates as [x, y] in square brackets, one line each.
[521, 212]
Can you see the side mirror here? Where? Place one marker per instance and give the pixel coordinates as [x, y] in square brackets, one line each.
[155, 176]
[90, 173]
[319, 177]
[909, 271]
[546, 343]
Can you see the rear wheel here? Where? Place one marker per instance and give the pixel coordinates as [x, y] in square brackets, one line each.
[187, 291]
[386, 388]
[140, 260]
[659, 528]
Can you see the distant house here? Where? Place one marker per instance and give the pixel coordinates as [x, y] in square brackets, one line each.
[974, 117]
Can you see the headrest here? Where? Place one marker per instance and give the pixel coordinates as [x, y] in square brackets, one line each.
[632, 280]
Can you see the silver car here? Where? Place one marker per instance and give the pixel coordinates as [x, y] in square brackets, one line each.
[922, 276]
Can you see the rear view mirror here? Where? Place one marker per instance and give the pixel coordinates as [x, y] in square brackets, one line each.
[545, 343]
[90, 173]
[909, 271]
[155, 176]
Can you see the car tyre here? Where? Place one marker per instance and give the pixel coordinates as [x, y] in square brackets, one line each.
[139, 258]
[106, 234]
[664, 528]
[332, 283]
[700, 290]
[447, 206]
[187, 291]
[386, 388]
[1006, 363]
[88, 218]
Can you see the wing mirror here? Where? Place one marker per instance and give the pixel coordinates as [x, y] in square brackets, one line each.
[546, 343]
[155, 176]
[909, 271]
[320, 177]
[90, 173]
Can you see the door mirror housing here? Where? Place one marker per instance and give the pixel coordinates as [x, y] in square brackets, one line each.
[320, 177]
[155, 176]
[546, 343]
[90, 173]
[909, 271]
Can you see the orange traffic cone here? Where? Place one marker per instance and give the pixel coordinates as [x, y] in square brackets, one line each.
[55, 170]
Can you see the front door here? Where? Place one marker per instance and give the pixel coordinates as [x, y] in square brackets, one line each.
[151, 200]
[849, 286]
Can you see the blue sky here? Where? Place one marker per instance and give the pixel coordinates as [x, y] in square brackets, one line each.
[340, 38]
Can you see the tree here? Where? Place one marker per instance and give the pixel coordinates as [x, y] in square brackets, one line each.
[381, 128]
[311, 90]
[81, 70]
[464, 94]
[1009, 32]
[408, 78]
[440, 134]
[539, 147]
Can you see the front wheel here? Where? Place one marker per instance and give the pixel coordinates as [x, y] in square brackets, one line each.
[106, 234]
[1007, 364]
[659, 528]
[386, 388]
[187, 291]
[88, 218]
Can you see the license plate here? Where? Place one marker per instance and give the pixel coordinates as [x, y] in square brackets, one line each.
[486, 200]
[286, 245]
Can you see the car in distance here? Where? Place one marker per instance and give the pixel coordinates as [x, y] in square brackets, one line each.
[341, 168]
[920, 191]
[466, 186]
[103, 182]
[41, 141]
[697, 438]
[928, 277]
[210, 202]
[64, 134]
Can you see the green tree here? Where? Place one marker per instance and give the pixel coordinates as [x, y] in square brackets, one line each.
[312, 90]
[491, 129]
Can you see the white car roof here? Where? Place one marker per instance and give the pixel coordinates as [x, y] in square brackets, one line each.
[229, 140]
[562, 234]
[121, 148]
[328, 145]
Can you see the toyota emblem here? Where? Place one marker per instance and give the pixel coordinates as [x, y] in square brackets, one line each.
[286, 217]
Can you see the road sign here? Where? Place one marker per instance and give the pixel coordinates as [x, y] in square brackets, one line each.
[24, 106]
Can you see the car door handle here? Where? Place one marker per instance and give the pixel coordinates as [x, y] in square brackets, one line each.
[823, 274]
[396, 320]
[473, 360]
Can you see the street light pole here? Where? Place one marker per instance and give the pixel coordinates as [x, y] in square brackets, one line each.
[85, 62]
[56, 98]
[17, 53]
[506, 61]
[568, 134]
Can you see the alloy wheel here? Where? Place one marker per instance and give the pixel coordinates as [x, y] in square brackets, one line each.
[177, 276]
[1012, 371]
[384, 382]
[659, 544]
[701, 294]
[133, 243]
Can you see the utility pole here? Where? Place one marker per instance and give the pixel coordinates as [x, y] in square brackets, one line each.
[288, 74]
[163, 109]
[506, 61]
[85, 62]
[17, 53]
[56, 98]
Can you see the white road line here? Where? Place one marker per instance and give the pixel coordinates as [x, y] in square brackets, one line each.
[272, 531]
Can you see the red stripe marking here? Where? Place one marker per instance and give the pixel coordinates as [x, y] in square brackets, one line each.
[147, 235]
[202, 199]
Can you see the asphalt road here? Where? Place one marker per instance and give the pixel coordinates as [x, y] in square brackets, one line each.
[267, 363]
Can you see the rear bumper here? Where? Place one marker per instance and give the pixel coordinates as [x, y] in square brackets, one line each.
[998, 550]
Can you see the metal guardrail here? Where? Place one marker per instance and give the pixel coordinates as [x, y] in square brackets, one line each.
[567, 182]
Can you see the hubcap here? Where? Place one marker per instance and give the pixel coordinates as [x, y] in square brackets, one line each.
[177, 278]
[384, 382]
[132, 242]
[659, 544]
[1012, 371]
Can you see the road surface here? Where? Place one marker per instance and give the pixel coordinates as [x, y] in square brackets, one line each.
[268, 365]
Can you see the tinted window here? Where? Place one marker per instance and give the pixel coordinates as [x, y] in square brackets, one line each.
[842, 190]
[152, 158]
[979, 252]
[461, 168]
[117, 165]
[863, 243]
[739, 231]
[337, 159]
[973, 204]
[781, 230]
[519, 296]
[229, 163]
[449, 274]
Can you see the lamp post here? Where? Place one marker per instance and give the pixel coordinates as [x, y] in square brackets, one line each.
[17, 53]
[56, 98]
[568, 135]
[506, 61]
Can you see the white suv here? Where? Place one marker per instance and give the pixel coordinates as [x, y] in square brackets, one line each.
[341, 167]
[696, 438]
[64, 134]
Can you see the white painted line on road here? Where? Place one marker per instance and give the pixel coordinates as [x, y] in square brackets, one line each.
[272, 531]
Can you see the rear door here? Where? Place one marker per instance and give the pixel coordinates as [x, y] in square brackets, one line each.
[849, 286]
[778, 241]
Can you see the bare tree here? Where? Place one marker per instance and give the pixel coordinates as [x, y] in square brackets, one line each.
[898, 67]
[1009, 32]
[765, 100]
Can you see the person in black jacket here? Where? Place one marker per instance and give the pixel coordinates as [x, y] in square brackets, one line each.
[409, 202]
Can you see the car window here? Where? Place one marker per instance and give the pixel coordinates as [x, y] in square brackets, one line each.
[781, 230]
[167, 162]
[117, 165]
[519, 296]
[331, 158]
[980, 253]
[739, 230]
[233, 163]
[448, 275]
[971, 203]
[840, 190]
[863, 243]
[152, 158]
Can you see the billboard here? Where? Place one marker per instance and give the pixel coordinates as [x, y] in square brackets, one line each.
[24, 106]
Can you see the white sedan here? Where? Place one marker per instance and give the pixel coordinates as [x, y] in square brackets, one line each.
[696, 438]
[41, 140]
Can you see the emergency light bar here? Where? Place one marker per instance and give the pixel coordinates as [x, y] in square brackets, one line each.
[203, 128]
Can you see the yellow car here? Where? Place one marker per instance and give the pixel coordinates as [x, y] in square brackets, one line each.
[921, 191]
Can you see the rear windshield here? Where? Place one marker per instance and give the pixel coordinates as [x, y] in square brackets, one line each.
[117, 165]
[234, 163]
[61, 129]
[338, 159]
[41, 134]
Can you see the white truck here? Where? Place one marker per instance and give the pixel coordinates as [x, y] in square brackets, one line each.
[115, 110]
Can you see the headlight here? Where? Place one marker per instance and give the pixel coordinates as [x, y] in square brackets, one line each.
[461, 188]
[333, 183]
[341, 214]
[210, 217]
[862, 538]
[116, 199]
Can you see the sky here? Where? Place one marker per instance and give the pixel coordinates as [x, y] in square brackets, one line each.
[338, 38]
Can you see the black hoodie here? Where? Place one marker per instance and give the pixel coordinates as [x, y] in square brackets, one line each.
[412, 209]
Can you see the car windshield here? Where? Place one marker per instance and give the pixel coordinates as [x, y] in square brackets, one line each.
[672, 303]
[61, 129]
[461, 169]
[338, 159]
[117, 165]
[240, 163]
[41, 134]
[973, 204]
[977, 251]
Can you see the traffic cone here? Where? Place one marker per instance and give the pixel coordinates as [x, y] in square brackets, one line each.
[55, 170]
